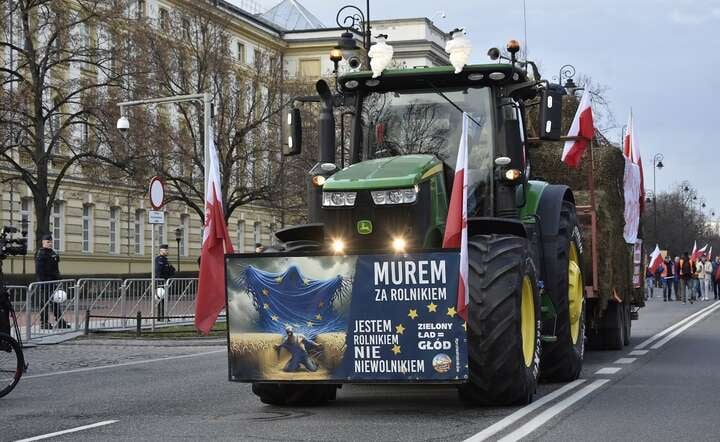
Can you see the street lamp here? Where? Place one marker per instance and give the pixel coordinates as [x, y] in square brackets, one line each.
[352, 18]
[178, 238]
[657, 164]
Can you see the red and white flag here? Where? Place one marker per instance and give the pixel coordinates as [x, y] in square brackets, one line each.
[710, 253]
[656, 259]
[631, 150]
[692, 255]
[582, 131]
[456, 225]
[216, 242]
[698, 253]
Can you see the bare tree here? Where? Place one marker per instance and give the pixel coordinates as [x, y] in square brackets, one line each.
[190, 54]
[60, 69]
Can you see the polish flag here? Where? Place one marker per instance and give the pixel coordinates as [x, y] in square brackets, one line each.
[655, 259]
[582, 132]
[710, 253]
[631, 150]
[456, 224]
[692, 255]
[697, 253]
[216, 242]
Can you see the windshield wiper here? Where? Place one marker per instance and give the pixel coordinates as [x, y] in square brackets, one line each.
[439, 92]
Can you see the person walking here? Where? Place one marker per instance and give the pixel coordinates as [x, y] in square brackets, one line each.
[668, 279]
[649, 282]
[707, 277]
[686, 285]
[716, 281]
[676, 280]
[163, 270]
[47, 268]
[697, 279]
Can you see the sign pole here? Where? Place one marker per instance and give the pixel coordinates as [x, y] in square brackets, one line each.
[152, 276]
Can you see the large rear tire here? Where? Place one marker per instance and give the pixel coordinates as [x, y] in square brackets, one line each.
[503, 322]
[562, 360]
[290, 393]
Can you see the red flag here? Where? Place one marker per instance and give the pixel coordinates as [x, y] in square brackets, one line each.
[582, 131]
[697, 254]
[631, 150]
[211, 286]
[456, 224]
[656, 260]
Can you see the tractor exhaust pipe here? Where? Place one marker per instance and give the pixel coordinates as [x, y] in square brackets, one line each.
[327, 123]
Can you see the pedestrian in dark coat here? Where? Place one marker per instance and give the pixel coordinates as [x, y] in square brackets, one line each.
[163, 270]
[47, 268]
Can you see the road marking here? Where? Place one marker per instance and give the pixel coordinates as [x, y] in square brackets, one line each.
[638, 352]
[684, 327]
[553, 411]
[511, 419]
[608, 370]
[122, 364]
[625, 361]
[71, 430]
[673, 327]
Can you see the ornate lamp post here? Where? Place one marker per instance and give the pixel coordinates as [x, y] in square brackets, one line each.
[352, 18]
[178, 238]
[657, 164]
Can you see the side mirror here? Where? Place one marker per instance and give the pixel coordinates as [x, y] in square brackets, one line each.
[550, 115]
[293, 141]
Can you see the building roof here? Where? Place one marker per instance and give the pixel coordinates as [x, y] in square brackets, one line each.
[290, 15]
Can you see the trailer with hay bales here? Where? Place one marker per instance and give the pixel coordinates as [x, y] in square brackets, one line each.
[373, 287]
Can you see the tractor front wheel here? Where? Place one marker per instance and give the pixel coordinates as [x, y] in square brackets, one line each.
[503, 322]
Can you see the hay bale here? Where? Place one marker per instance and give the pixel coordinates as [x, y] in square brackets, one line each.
[614, 255]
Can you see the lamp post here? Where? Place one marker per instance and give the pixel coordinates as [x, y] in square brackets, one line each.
[567, 72]
[353, 18]
[178, 238]
[657, 164]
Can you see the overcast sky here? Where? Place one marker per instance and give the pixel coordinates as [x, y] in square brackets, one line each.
[659, 57]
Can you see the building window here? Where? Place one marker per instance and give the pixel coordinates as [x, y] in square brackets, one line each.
[309, 68]
[257, 59]
[140, 9]
[241, 52]
[57, 225]
[241, 236]
[114, 229]
[164, 19]
[26, 219]
[257, 233]
[185, 238]
[87, 229]
[139, 232]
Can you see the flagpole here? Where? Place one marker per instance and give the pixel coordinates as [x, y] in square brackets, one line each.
[593, 217]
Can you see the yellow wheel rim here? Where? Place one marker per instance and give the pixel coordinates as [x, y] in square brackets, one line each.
[575, 292]
[527, 321]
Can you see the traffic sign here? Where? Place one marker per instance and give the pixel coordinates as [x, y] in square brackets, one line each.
[157, 193]
[156, 217]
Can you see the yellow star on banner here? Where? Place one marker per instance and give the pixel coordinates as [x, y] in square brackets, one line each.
[412, 313]
[432, 307]
[318, 317]
[274, 317]
[306, 281]
[279, 279]
[399, 329]
[396, 349]
[451, 311]
[265, 292]
[309, 324]
[464, 326]
[266, 306]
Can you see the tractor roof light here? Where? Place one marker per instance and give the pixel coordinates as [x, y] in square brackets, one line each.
[399, 244]
[338, 246]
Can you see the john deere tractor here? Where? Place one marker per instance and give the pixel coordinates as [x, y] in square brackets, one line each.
[526, 314]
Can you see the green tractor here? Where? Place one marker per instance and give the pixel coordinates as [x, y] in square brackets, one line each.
[526, 313]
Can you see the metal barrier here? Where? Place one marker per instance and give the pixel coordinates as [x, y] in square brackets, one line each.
[55, 307]
[101, 297]
[46, 300]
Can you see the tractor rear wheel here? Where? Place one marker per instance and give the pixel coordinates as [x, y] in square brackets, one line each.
[561, 360]
[290, 393]
[503, 322]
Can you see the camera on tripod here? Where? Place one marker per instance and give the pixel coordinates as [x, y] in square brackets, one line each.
[11, 244]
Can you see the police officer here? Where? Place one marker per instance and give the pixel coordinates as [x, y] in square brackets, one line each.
[47, 268]
[163, 270]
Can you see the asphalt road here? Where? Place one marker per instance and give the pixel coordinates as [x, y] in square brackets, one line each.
[147, 391]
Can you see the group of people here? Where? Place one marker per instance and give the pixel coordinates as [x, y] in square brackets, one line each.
[691, 280]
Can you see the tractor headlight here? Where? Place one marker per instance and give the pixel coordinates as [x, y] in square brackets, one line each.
[339, 199]
[394, 196]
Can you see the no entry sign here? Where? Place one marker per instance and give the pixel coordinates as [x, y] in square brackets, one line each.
[157, 193]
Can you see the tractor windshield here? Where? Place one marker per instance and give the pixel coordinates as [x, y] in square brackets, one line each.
[423, 122]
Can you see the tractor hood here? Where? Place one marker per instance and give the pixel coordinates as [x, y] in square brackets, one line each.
[385, 173]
